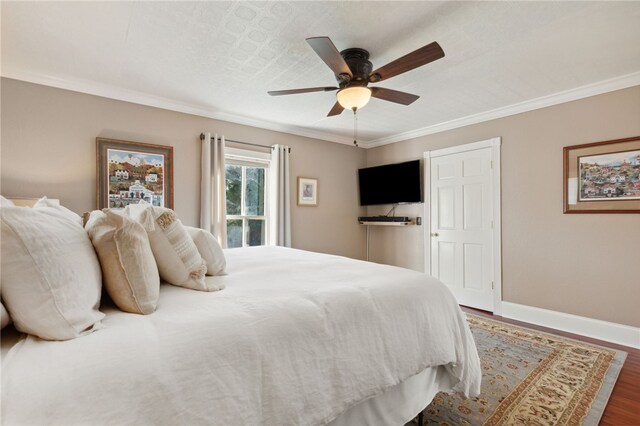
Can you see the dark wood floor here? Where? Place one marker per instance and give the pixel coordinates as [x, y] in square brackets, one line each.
[623, 408]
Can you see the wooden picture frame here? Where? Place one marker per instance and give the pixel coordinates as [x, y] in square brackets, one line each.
[307, 192]
[127, 172]
[602, 177]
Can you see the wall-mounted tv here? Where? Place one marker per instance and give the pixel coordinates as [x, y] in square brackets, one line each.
[390, 184]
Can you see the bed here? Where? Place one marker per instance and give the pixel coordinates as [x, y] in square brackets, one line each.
[295, 338]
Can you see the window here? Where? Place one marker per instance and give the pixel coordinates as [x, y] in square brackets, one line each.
[247, 218]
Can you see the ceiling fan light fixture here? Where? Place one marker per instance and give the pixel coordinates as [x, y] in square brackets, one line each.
[354, 97]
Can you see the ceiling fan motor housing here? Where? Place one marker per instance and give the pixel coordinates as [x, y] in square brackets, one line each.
[358, 61]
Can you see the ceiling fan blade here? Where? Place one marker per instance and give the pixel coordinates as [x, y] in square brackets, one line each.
[296, 91]
[336, 110]
[413, 60]
[327, 51]
[393, 95]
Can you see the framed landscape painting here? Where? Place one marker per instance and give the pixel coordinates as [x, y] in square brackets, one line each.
[602, 177]
[128, 172]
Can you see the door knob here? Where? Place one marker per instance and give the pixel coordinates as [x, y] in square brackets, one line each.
[435, 234]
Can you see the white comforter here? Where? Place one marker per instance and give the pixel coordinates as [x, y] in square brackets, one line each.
[296, 338]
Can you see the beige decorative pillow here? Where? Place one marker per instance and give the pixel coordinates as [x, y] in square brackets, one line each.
[51, 281]
[177, 256]
[129, 270]
[210, 250]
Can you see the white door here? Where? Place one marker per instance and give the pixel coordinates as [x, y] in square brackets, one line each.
[462, 215]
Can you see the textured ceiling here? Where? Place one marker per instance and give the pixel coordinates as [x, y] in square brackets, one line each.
[222, 57]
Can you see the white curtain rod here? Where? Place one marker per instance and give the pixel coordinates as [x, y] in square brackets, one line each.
[202, 136]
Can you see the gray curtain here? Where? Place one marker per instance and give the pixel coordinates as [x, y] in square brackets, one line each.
[280, 197]
[213, 197]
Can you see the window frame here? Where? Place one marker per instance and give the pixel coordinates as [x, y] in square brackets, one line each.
[244, 159]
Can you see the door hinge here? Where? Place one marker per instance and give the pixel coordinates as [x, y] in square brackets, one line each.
[492, 285]
[491, 224]
[491, 161]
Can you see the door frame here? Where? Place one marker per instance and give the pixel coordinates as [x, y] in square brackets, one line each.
[495, 145]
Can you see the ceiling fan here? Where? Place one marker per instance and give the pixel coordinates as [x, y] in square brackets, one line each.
[352, 69]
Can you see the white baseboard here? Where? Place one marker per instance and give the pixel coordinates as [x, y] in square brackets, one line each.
[602, 330]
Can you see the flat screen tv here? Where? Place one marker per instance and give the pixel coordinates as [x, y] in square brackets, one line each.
[390, 184]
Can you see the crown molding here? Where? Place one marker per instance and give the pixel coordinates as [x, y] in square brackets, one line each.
[126, 95]
[598, 88]
[112, 92]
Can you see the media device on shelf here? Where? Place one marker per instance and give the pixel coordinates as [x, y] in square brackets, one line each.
[390, 184]
[383, 219]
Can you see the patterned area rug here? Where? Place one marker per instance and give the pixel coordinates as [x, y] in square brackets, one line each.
[531, 378]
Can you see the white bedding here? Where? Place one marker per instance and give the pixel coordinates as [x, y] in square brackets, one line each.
[296, 338]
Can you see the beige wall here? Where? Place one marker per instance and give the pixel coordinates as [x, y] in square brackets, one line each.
[580, 264]
[48, 148]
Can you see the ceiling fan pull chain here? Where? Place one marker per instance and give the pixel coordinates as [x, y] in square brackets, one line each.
[355, 127]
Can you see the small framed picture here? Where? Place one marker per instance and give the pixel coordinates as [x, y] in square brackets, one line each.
[128, 172]
[307, 191]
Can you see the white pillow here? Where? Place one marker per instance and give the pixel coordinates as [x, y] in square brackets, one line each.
[177, 256]
[5, 319]
[210, 250]
[55, 204]
[4, 202]
[129, 271]
[51, 279]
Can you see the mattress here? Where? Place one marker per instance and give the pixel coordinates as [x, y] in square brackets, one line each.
[296, 338]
